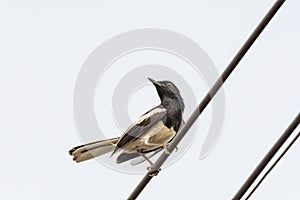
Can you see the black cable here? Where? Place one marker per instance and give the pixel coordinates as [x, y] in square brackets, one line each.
[274, 164]
[267, 158]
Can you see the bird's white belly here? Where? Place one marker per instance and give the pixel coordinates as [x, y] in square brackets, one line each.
[159, 135]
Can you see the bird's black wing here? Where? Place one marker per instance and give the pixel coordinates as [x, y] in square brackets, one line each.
[142, 126]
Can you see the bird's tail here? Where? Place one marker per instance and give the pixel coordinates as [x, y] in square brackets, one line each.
[94, 149]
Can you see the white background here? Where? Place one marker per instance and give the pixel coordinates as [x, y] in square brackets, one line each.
[42, 47]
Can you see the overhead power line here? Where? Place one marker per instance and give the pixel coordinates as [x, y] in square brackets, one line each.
[271, 153]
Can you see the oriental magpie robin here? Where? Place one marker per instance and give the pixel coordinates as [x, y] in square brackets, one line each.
[152, 132]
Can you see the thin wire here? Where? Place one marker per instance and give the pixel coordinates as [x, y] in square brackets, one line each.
[229, 69]
[274, 164]
[261, 166]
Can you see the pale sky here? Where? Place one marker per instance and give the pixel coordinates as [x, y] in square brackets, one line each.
[43, 46]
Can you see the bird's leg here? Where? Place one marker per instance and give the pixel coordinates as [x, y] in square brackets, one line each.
[151, 172]
[147, 159]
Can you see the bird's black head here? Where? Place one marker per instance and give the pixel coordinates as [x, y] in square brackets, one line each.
[168, 90]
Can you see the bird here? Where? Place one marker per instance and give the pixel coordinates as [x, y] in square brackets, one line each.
[148, 135]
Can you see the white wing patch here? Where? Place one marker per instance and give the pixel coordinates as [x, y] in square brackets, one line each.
[149, 114]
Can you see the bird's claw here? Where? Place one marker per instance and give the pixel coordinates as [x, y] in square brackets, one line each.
[176, 149]
[167, 151]
[154, 172]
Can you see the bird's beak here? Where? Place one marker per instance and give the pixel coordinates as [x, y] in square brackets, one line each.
[154, 82]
